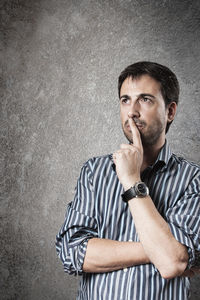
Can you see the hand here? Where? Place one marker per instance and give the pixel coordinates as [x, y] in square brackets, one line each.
[128, 160]
[191, 272]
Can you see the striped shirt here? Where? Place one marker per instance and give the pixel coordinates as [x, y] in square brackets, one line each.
[98, 211]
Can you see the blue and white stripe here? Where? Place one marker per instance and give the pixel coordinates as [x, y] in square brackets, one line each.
[98, 211]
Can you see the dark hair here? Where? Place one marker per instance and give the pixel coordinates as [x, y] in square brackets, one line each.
[168, 81]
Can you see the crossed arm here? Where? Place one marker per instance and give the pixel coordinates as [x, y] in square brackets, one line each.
[104, 255]
[157, 243]
[168, 255]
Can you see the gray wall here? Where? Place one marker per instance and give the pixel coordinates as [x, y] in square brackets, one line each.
[60, 60]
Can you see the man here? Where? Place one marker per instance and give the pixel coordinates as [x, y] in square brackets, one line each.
[133, 229]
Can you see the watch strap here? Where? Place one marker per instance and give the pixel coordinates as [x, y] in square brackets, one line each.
[129, 194]
[138, 190]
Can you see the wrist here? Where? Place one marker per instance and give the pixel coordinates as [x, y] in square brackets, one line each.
[130, 182]
[139, 190]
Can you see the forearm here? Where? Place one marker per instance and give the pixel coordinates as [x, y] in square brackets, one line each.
[168, 255]
[105, 255]
[164, 251]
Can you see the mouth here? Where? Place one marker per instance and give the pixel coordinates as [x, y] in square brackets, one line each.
[139, 125]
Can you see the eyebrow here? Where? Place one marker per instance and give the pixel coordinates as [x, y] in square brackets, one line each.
[125, 96]
[138, 96]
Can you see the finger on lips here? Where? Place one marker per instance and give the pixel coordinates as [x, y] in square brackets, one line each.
[135, 132]
[136, 139]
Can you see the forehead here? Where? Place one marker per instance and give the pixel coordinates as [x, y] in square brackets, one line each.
[143, 84]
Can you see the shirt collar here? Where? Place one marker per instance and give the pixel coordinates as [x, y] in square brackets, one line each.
[164, 154]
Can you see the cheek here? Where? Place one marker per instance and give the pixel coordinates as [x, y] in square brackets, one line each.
[122, 115]
[160, 121]
[163, 116]
[162, 111]
[124, 110]
[159, 114]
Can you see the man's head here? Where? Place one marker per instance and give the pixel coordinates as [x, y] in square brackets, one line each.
[148, 93]
[169, 86]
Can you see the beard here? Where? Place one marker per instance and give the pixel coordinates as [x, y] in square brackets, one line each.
[149, 134]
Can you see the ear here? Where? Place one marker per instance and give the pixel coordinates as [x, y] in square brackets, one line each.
[171, 111]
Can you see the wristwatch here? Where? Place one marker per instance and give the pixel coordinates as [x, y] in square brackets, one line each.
[139, 190]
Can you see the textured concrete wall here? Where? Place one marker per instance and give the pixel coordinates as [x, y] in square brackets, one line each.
[60, 60]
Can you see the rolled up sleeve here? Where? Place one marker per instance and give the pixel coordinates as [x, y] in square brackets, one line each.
[80, 225]
[184, 221]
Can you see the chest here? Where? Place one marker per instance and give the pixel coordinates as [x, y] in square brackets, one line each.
[113, 215]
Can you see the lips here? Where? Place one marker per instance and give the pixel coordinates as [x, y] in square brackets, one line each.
[138, 125]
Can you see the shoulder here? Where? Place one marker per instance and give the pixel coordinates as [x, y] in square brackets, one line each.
[184, 162]
[186, 166]
[98, 163]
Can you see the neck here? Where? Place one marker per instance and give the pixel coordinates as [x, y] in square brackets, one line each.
[150, 154]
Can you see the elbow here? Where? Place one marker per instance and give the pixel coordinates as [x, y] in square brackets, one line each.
[174, 265]
[174, 269]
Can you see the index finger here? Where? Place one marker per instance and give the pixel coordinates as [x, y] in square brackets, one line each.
[135, 133]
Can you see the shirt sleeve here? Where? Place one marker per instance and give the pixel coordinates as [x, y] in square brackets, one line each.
[184, 221]
[80, 225]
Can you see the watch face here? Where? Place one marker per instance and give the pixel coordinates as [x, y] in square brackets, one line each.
[142, 189]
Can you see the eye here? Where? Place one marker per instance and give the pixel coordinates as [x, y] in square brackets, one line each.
[146, 99]
[125, 100]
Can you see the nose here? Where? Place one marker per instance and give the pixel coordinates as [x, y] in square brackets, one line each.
[134, 111]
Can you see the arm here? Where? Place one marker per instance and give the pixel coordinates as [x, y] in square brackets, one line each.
[105, 255]
[78, 245]
[80, 249]
[168, 255]
[79, 226]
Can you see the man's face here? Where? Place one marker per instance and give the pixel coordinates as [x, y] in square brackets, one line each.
[141, 97]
